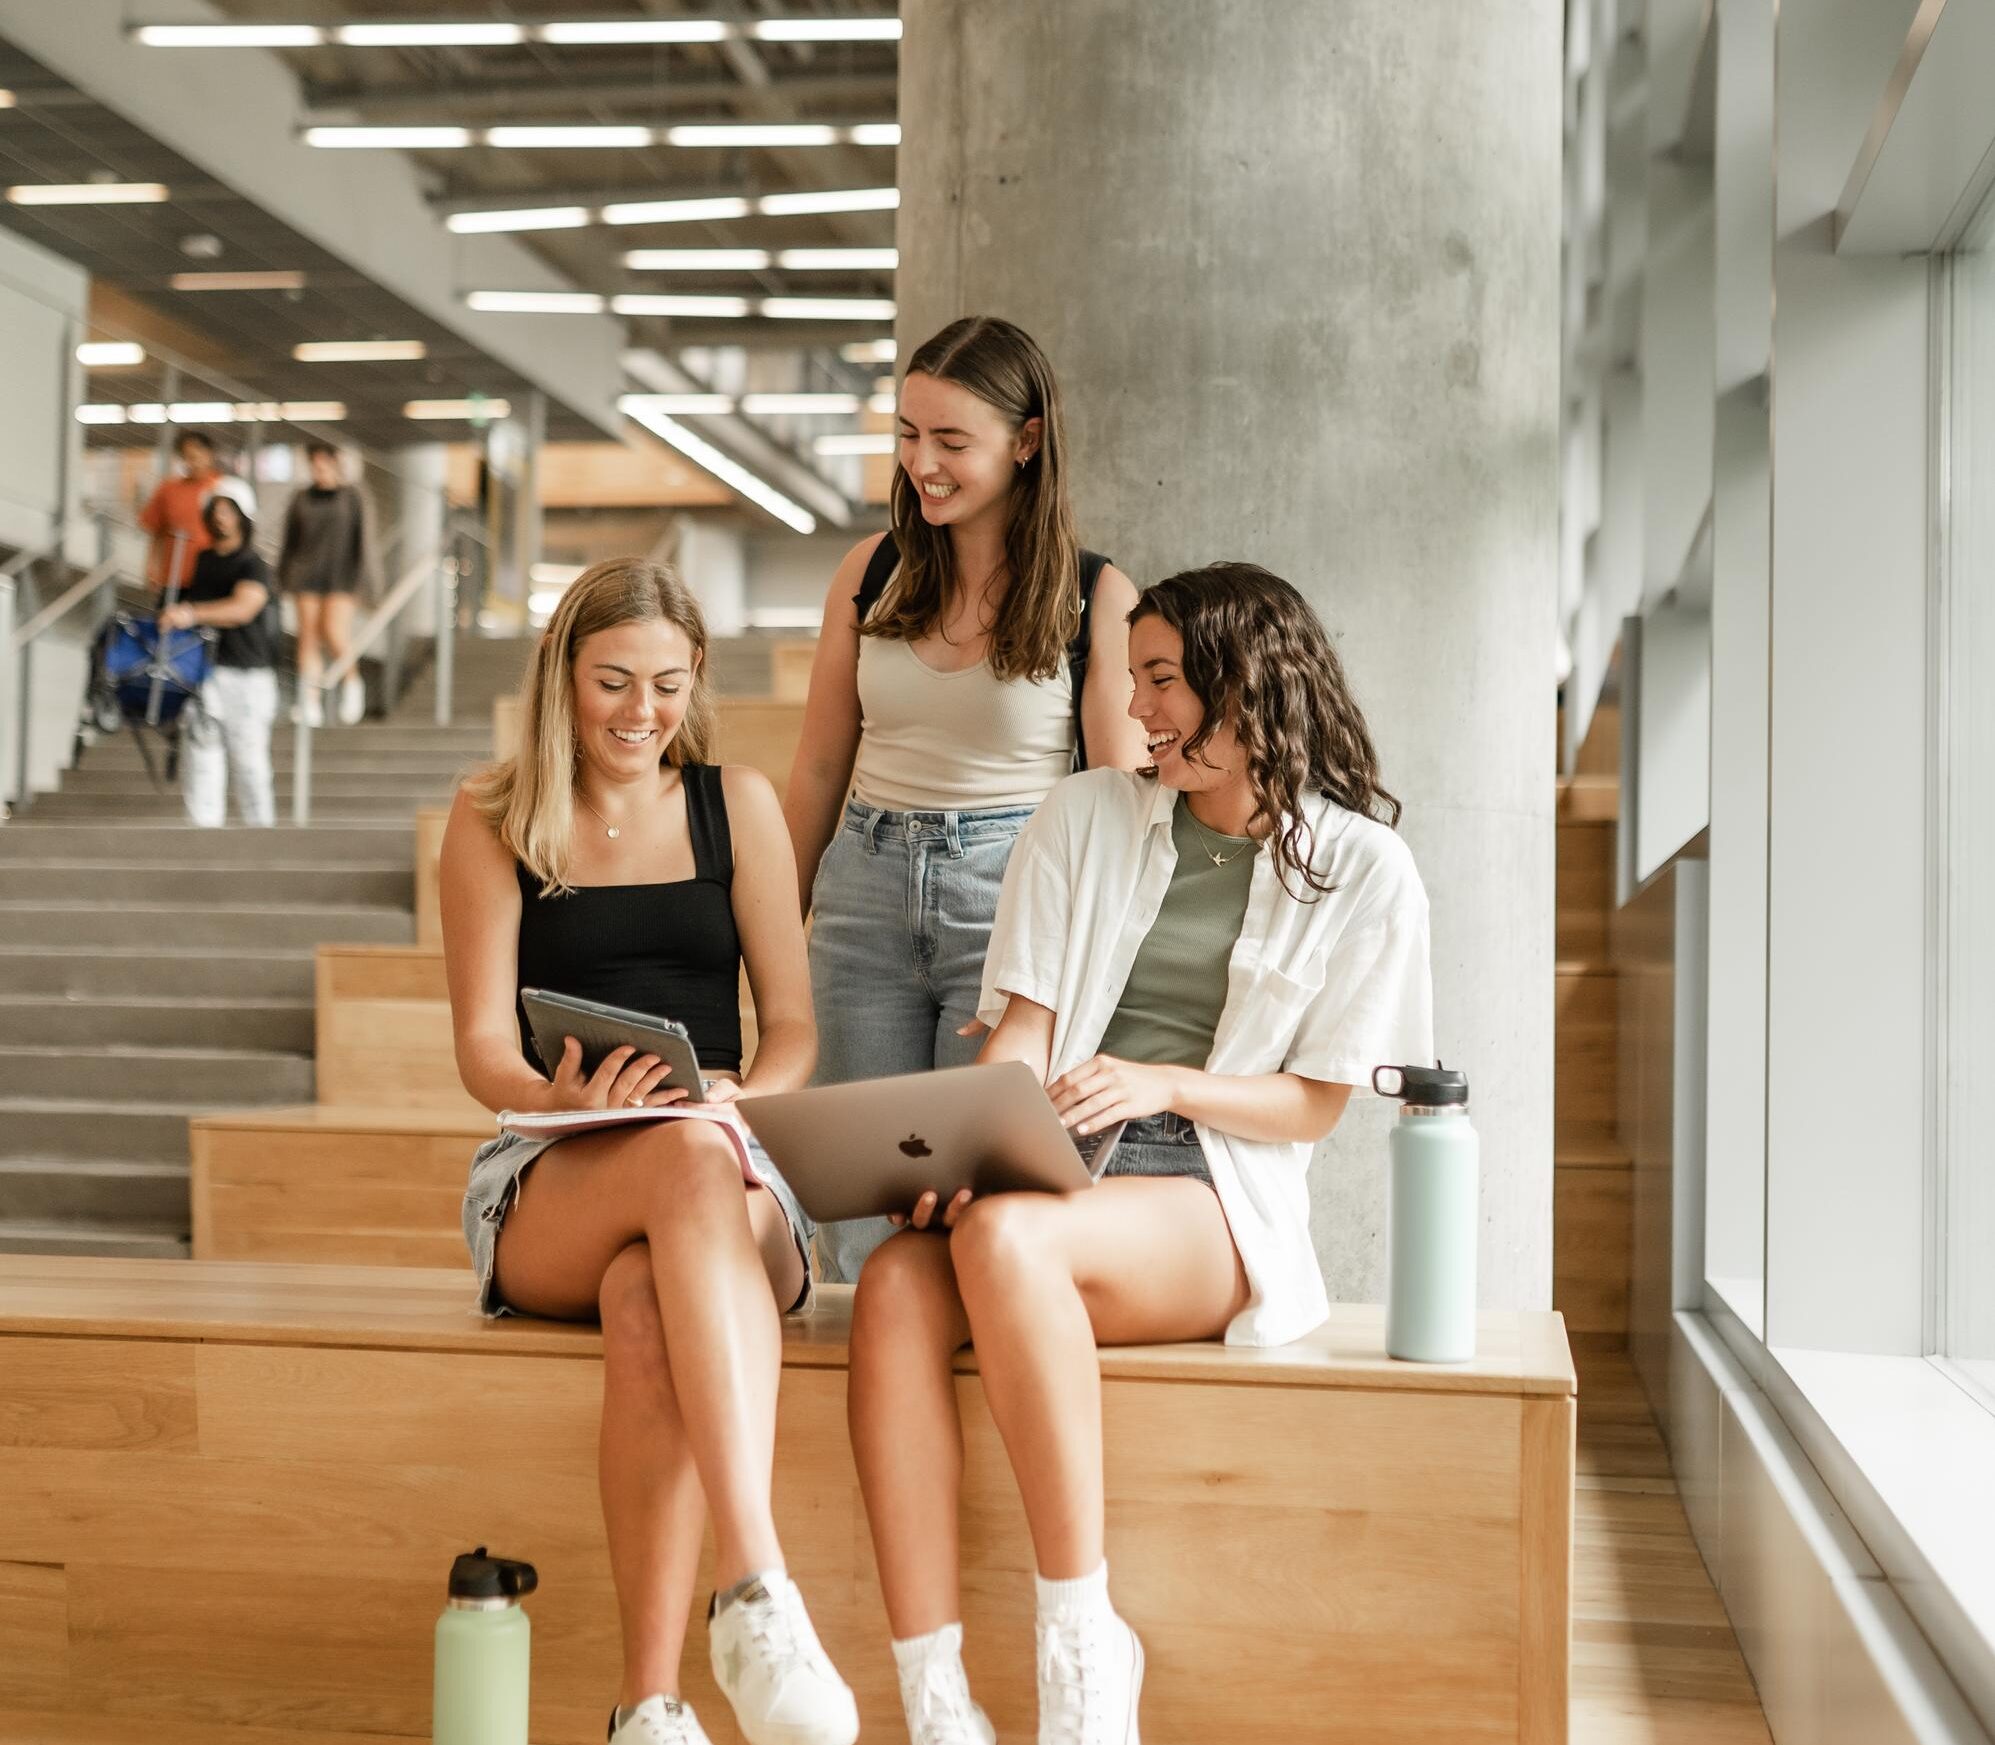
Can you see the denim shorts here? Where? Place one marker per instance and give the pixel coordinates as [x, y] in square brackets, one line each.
[903, 906]
[1163, 1144]
[496, 1169]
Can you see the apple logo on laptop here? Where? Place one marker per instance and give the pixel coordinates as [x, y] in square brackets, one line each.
[915, 1146]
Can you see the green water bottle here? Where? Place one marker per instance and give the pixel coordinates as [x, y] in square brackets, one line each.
[482, 1649]
[1430, 1293]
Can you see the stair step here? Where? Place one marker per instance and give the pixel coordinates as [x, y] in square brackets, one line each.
[55, 1127]
[135, 784]
[164, 808]
[29, 1237]
[125, 1075]
[72, 1191]
[326, 760]
[36, 837]
[186, 926]
[131, 1021]
[90, 972]
[389, 886]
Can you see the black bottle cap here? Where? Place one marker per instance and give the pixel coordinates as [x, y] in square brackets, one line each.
[474, 1576]
[1429, 1087]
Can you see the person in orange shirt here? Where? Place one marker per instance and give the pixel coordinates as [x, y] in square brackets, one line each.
[173, 514]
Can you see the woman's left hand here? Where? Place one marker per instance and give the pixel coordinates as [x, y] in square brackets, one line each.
[721, 1091]
[1105, 1089]
[178, 616]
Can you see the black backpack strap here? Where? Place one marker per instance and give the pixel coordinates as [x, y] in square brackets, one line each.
[880, 569]
[1092, 564]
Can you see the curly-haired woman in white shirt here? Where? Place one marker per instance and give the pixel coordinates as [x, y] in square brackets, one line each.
[1215, 951]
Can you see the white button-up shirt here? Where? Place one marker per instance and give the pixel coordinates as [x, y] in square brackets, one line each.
[1327, 989]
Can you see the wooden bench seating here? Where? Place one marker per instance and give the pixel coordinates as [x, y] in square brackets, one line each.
[233, 1492]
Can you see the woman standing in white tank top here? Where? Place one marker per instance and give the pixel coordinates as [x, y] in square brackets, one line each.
[947, 705]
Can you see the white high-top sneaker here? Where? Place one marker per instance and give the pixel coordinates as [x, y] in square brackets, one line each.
[659, 1721]
[935, 1695]
[352, 699]
[771, 1667]
[1090, 1678]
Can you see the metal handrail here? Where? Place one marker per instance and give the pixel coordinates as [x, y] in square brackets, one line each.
[65, 602]
[441, 574]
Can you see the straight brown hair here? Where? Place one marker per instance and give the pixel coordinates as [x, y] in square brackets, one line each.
[1041, 610]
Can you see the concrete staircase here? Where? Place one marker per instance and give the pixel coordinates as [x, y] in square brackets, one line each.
[150, 971]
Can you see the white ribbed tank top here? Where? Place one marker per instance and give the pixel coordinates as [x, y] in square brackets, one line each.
[957, 742]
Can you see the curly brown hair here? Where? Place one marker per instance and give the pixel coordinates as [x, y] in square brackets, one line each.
[1257, 656]
[1041, 610]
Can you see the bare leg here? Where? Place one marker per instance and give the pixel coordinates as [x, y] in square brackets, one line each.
[310, 628]
[336, 625]
[652, 1502]
[716, 1249]
[907, 1325]
[1045, 1279]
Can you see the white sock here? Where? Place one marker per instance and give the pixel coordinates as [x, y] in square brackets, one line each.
[912, 1651]
[1075, 1597]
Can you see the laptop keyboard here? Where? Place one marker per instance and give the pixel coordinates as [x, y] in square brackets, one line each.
[1089, 1146]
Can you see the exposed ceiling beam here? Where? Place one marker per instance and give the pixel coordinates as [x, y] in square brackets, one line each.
[696, 94]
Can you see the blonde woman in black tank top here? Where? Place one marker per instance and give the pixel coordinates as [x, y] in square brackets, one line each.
[609, 860]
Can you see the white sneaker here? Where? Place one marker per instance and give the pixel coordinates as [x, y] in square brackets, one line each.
[771, 1667]
[306, 710]
[659, 1721]
[935, 1698]
[352, 699]
[1090, 1679]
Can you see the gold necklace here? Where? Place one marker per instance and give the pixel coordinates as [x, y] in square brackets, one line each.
[1205, 843]
[615, 830]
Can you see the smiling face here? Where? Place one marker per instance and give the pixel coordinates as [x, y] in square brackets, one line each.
[960, 452]
[1171, 712]
[632, 685]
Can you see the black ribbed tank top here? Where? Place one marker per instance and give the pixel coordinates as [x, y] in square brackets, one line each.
[669, 950]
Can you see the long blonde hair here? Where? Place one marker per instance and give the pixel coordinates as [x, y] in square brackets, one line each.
[1041, 610]
[529, 798]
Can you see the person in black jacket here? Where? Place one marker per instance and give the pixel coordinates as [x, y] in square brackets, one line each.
[228, 728]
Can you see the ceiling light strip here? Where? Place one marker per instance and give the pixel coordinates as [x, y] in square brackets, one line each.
[444, 33]
[360, 351]
[676, 211]
[724, 467]
[88, 194]
[694, 305]
[110, 354]
[286, 280]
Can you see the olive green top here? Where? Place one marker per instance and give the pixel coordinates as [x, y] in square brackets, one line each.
[1176, 990]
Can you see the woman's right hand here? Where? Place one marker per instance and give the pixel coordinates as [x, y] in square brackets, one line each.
[625, 1080]
[928, 1215]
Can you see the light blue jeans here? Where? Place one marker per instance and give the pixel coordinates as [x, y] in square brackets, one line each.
[903, 903]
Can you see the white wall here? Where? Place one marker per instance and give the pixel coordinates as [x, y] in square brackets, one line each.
[43, 304]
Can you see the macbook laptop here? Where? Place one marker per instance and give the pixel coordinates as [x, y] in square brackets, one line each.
[875, 1146]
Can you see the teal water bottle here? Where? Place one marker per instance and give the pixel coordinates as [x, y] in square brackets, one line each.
[482, 1649]
[1430, 1294]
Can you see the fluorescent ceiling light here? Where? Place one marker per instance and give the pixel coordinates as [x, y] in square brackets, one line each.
[876, 133]
[7, 99]
[359, 351]
[800, 403]
[752, 133]
[635, 30]
[697, 260]
[457, 409]
[828, 29]
[230, 35]
[388, 138]
[856, 442]
[675, 404]
[828, 308]
[869, 351]
[151, 413]
[88, 194]
[885, 403]
[830, 200]
[202, 412]
[646, 303]
[97, 414]
[290, 280]
[838, 259]
[535, 302]
[290, 411]
[566, 138]
[520, 218]
[471, 34]
[110, 354]
[724, 467]
[676, 211]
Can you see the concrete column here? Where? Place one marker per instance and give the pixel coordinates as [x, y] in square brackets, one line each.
[1298, 267]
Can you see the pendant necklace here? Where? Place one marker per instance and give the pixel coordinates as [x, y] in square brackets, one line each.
[1205, 842]
[615, 830]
